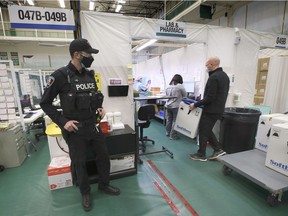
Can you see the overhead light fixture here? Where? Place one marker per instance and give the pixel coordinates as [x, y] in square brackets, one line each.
[91, 5]
[30, 2]
[52, 44]
[146, 44]
[118, 8]
[121, 2]
[61, 3]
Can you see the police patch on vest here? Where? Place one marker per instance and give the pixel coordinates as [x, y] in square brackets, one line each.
[50, 81]
[85, 86]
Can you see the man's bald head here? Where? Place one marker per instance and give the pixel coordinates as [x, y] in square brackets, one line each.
[213, 63]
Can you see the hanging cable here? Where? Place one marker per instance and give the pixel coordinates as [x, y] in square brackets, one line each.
[58, 143]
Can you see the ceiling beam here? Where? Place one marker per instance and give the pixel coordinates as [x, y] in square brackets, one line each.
[188, 10]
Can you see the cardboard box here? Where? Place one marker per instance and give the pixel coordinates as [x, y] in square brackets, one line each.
[59, 173]
[155, 90]
[262, 77]
[263, 64]
[276, 157]
[258, 100]
[260, 90]
[263, 131]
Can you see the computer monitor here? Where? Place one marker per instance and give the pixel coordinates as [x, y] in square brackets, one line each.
[25, 102]
[189, 87]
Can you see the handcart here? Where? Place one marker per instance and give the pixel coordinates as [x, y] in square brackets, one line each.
[251, 164]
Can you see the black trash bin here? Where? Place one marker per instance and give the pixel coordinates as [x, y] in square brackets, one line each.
[238, 129]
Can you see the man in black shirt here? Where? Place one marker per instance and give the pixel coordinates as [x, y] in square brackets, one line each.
[81, 103]
[215, 96]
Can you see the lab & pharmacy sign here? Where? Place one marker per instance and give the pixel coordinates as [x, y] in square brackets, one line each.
[41, 18]
[171, 29]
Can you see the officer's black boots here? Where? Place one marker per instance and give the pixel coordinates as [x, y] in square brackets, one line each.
[109, 190]
[86, 202]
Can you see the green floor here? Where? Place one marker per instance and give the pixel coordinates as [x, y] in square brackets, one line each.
[25, 192]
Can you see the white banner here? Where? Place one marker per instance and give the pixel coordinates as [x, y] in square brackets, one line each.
[41, 18]
[171, 28]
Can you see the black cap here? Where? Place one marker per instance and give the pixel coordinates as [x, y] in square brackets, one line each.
[81, 45]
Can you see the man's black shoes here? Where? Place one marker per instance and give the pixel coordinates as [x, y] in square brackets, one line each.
[109, 190]
[86, 202]
[86, 198]
[217, 154]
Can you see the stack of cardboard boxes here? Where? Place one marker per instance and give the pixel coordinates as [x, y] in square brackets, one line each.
[262, 74]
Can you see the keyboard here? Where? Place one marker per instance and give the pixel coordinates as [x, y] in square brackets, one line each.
[34, 108]
[28, 115]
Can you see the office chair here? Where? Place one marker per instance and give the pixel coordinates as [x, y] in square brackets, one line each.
[39, 124]
[145, 114]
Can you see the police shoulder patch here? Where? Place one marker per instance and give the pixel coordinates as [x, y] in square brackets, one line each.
[50, 81]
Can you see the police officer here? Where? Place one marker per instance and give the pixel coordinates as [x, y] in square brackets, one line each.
[81, 104]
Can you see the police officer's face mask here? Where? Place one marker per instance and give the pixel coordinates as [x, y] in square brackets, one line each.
[87, 61]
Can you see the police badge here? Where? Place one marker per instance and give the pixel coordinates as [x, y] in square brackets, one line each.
[50, 81]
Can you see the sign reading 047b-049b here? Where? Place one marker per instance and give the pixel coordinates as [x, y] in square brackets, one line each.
[41, 18]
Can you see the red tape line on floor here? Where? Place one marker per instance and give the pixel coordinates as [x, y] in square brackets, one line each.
[183, 200]
[166, 197]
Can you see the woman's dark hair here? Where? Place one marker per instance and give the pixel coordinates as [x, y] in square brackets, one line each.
[176, 79]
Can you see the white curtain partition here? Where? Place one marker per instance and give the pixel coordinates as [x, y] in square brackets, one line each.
[112, 35]
[276, 92]
[188, 61]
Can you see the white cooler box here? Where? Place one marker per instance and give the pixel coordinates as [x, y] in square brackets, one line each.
[59, 173]
[121, 163]
[57, 145]
[277, 153]
[264, 127]
[187, 123]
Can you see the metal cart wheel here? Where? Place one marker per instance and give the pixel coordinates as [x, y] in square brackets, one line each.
[272, 200]
[226, 170]
[2, 168]
[142, 148]
[140, 161]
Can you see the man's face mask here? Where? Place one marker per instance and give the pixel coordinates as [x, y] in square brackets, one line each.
[87, 61]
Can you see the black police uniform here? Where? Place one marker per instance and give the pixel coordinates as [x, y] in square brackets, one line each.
[79, 101]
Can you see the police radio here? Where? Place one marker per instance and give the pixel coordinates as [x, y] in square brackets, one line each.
[96, 99]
